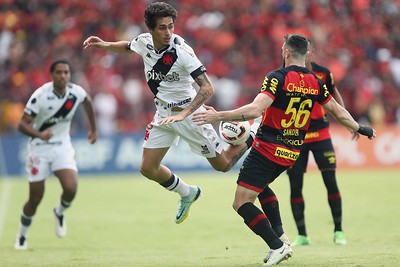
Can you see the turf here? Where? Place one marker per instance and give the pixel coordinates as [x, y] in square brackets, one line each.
[129, 221]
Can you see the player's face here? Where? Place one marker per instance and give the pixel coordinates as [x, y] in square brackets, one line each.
[162, 33]
[61, 76]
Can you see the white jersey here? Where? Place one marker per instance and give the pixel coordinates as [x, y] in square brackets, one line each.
[52, 111]
[171, 71]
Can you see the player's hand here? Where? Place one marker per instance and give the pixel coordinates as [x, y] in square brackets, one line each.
[93, 41]
[171, 119]
[210, 115]
[92, 137]
[367, 131]
[46, 134]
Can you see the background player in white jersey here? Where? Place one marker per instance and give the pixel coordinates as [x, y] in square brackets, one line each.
[170, 68]
[47, 120]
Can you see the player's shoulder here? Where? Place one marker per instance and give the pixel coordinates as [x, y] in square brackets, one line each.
[43, 90]
[76, 89]
[181, 45]
[143, 37]
[280, 72]
[319, 68]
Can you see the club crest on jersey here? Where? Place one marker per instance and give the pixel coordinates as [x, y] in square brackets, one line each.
[69, 104]
[168, 59]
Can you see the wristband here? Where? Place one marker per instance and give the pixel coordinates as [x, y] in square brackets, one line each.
[365, 130]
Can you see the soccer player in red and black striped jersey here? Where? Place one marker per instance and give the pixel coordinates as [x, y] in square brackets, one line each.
[318, 141]
[285, 101]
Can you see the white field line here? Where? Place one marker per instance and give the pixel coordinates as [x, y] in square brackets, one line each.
[5, 190]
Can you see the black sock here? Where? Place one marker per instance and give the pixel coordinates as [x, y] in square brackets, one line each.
[334, 198]
[259, 224]
[270, 206]
[297, 201]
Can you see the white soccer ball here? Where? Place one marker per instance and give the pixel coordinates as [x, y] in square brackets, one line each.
[234, 132]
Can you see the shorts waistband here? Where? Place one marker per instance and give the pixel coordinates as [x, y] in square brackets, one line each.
[56, 143]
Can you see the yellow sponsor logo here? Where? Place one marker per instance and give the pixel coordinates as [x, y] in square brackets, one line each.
[310, 135]
[326, 92]
[292, 88]
[286, 154]
[273, 85]
[291, 132]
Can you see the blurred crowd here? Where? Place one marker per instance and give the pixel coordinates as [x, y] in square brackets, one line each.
[239, 42]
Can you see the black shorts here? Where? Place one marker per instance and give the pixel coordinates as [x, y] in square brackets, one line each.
[324, 156]
[257, 171]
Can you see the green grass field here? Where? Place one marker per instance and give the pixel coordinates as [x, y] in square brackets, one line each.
[129, 221]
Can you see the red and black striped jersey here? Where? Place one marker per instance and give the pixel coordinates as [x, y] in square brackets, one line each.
[295, 90]
[318, 114]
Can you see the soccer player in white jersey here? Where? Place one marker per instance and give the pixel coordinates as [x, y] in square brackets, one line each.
[171, 66]
[47, 120]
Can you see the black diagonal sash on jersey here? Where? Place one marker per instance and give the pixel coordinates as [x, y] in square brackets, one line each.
[61, 113]
[161, 67]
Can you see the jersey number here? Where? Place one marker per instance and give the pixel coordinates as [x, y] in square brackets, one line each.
[299, 116]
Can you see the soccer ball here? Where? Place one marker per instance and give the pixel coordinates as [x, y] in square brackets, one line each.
[234, 132]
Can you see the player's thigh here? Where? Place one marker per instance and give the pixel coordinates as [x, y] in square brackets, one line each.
[157, 136]
[63, 157]
[257, 171]
[300, 165]
[203, 140]
[37, 164]
[324, 155]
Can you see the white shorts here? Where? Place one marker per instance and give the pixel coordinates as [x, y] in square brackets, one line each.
[203, 140]
[45, 157]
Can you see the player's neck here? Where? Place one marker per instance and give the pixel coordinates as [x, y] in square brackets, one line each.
[294, 62]
[60, 92]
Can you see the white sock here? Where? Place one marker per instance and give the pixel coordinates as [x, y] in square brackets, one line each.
[62, 207]
[24, 225]
[179, 186]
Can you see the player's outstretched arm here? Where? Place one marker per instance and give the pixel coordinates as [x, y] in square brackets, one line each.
[342, 116]
[246, 112]
[117, 47]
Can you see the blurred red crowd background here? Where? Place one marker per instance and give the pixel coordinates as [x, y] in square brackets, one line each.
[239, 42]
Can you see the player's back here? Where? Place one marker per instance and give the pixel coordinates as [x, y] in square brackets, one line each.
[295, 91]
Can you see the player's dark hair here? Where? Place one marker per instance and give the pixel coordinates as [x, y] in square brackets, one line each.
[297, 43]
[59, 61]
[158, 10]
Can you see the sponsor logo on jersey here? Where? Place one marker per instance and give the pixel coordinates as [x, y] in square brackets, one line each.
[181, 103]
[286, 154]
[293, 88]
[290, 132]
[292, 142]
[310, 135]
[272, 85]
[159, 76]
